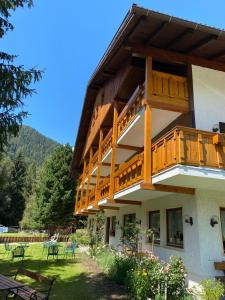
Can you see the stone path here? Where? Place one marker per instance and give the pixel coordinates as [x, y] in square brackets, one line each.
[101, 286]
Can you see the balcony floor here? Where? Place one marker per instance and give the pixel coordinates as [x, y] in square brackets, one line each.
[193, 177]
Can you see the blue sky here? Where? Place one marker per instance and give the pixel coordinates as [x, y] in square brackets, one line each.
[67, 38]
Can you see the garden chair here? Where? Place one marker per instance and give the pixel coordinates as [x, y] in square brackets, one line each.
[18, 252]
[53, 250]
[8, 248]
[54, 238]
[70, 248]
[45, 246]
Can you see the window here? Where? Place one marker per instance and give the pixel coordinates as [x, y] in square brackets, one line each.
[222, 218]
[154, 225]
[113, 226]
[129, 219]
[174, 227]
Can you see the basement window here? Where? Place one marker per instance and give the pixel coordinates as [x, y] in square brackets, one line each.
[154, 225]
[175, 227]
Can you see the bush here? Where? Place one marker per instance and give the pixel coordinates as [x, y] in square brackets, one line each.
[120, 267]
[152, 278]
[81, 237]
[211, 289]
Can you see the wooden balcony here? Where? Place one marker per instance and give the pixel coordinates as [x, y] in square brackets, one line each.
[106, 143]
[129, 173]
[104, 189]
[91, 197]
[130, 111]
[169, 92]
[188, 146]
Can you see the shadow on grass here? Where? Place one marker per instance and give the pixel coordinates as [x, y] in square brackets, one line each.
[73, 282]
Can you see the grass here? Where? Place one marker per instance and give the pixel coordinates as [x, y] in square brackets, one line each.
[105, 259]
[72, 280]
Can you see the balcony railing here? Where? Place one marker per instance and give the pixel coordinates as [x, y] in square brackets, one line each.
[94, 159]
[188, 146]
[91, 196]
[131, 109]
[107, 143]
[129, 173]
[168, 85]
[104, 188]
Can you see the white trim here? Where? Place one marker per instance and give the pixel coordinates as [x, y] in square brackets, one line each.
[107, 154]
[128, 190]
[138, 116]
[204, 172]
[103, 201]
[95, 169]
[90, 207]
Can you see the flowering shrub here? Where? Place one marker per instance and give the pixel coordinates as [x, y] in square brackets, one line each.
[152, 278]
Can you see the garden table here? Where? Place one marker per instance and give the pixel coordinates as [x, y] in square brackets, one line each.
[7, 284]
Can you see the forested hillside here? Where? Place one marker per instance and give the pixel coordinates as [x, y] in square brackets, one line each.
[33, 145]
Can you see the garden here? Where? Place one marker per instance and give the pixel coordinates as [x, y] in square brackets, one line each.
[144, 275]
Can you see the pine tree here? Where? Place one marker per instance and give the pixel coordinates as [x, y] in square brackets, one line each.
[29, 189]
[15, 81]
[55, 190]
[18, 176]
[12, 201]
[6, 166]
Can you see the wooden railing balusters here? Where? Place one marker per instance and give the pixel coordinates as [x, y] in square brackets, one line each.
[200, 150]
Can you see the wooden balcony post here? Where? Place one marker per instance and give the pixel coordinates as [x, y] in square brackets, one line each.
[181, 140]
[148, 123]
[89, 176]
[99, 164]
[113, 159]
[200, 150]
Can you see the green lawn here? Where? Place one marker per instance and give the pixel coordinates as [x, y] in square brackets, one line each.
[72, 278]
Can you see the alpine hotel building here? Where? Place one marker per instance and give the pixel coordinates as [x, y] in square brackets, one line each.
[151, 145]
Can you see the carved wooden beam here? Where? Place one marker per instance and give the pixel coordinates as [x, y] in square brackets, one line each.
[173, 56]
[168, 188]
[125, 201]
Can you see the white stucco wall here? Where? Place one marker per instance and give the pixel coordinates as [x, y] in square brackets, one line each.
[209, 97]
[202, 243]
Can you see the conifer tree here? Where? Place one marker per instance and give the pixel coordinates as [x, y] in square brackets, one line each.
[55, 190]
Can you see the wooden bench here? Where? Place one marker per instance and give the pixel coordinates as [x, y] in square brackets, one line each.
[29, 293]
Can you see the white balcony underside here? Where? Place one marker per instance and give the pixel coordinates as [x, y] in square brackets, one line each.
[105, 202]
[92, 208]
[136, 193]
[193, 177]
[134, 133]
